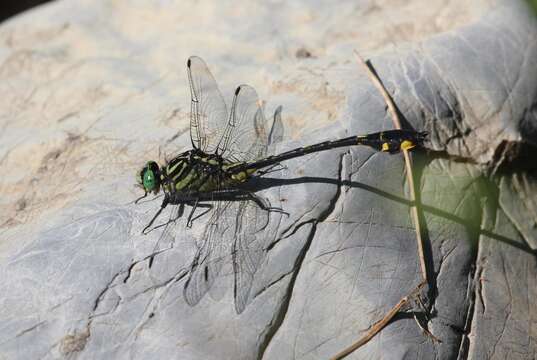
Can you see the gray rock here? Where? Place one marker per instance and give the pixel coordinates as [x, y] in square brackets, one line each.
[92, 90]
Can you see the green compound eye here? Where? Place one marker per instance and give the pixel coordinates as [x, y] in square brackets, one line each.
[148, 180]
[150, 177]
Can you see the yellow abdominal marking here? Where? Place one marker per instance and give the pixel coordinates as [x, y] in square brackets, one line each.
[407, 145]
[385, 147]
[241, 176]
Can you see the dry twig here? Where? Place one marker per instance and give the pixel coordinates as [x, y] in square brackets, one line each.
[379, 325]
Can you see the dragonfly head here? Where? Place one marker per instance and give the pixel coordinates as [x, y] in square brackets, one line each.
[149, 177]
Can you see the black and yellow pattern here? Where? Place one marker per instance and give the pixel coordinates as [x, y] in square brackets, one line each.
[228, 149]
[197, 172]
[392, 141]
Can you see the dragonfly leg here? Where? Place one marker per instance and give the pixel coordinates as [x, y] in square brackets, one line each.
[264, 204]
[272, 168]
[162, 206]
[191, 216]
[140, 198]
[173, 218]
[176, 217]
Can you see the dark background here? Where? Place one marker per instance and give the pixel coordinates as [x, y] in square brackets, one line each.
[11, 7]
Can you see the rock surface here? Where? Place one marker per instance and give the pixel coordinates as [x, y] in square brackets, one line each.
[92, 90]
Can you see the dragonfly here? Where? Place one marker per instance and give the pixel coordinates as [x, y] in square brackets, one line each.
[229, 149]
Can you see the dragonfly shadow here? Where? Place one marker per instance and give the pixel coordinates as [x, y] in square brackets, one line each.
[258, 184]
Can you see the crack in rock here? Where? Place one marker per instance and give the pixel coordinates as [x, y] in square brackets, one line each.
[31, 328]
[281, 313]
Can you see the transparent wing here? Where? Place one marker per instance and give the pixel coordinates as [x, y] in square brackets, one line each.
[276, 131]
[167, 234]
[213, 251]
[208, 111]
[235, 233]
[249, 250]
[245, 137]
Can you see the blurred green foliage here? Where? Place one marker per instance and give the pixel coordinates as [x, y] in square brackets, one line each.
[533, 4]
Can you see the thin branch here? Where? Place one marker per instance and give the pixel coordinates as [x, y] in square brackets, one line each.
[379, 325]
[408, 162]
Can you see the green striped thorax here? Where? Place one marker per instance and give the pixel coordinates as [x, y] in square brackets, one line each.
[192, 171]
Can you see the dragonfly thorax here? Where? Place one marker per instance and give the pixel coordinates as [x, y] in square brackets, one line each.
[197, 172]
